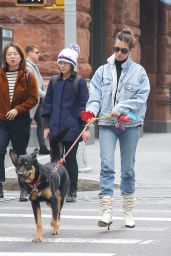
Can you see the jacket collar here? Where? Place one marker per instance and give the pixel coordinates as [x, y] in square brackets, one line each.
[125, 65]
[31, 63]
[59, 77]
[21, 72]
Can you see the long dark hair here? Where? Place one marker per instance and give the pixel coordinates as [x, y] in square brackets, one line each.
[19, 49]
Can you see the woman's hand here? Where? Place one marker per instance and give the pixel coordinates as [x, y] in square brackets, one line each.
[91, 120]
[112, 115]
[85, 135]
[11, 114]
[46, 133]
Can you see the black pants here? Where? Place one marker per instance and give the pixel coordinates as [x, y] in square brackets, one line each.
[38, 118]
[71, 160]
[18, 132]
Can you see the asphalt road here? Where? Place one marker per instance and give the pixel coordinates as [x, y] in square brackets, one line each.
[79, 234]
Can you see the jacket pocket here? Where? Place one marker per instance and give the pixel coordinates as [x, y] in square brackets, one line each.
[106, 86]
[106, 81]
[128, 91]
[131, 87]
[106, 90]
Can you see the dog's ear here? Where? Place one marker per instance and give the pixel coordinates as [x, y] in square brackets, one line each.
[34, 153]
[13, 156]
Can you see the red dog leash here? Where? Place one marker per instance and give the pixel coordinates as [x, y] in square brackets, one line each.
[60, 162]
[86, 116]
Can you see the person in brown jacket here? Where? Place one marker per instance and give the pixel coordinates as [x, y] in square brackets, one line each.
[18, 94]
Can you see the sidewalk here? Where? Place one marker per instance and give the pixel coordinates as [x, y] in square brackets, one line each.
[153, 164]
[153, 161]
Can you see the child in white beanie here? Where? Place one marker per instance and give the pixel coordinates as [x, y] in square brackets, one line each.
[61, 111]
[70, 55]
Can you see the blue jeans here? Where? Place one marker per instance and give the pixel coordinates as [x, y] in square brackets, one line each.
[128, 140]
[18, 132]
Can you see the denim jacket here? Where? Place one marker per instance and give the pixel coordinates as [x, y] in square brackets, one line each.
[131, 93]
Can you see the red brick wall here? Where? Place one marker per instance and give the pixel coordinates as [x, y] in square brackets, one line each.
[46, 29]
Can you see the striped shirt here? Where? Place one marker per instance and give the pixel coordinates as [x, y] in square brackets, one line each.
[11, 76]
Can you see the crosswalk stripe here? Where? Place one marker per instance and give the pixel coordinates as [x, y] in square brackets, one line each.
[79, 240]
[16, 215]
[75, 210]
[53, 254]
[82, 227]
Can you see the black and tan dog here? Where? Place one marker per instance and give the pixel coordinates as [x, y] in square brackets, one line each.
[42, 184]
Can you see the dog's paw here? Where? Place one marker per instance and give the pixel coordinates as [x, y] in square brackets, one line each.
[54, 232]
[37, 239]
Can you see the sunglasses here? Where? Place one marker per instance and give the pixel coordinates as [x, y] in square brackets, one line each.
[122, 50]
[36, 52]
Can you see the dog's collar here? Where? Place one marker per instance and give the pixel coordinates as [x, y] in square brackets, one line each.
[36, 184]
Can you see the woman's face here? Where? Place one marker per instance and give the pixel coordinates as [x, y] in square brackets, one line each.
[121, 50]
[13, 58]
[65, 68]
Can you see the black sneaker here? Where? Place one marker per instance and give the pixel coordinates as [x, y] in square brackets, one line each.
[1, 191]
[71, 197]
[23, 196]
[44, 150]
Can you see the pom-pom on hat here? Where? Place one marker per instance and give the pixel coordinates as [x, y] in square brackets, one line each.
[69, 54]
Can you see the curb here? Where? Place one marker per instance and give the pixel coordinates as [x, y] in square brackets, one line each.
[11, 184]
[83, 185]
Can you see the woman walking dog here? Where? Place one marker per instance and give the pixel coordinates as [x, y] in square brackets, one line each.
[118, 88]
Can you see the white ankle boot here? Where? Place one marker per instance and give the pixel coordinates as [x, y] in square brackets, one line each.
[107, 206]
[128, 204]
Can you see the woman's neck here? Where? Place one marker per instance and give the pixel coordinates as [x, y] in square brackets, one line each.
[119, 62]
[13, 68]
[66, 76]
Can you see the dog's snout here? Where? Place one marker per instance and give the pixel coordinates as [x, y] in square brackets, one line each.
[20, 174]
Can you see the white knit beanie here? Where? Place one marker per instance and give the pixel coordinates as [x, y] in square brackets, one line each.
[70, 55]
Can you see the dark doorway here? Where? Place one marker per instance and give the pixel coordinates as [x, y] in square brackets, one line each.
[149, 53]
[149, 34]
[97, 30]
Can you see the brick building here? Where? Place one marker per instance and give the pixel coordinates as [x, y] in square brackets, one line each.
[97, 23]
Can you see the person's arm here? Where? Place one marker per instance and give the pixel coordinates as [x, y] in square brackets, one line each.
[32, 95]
[38, 77]
[47, 105]
[95, 98]
[83, 95]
